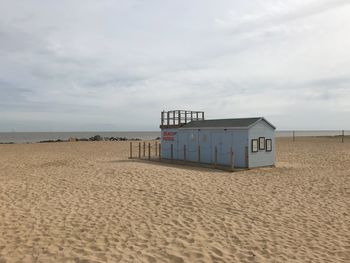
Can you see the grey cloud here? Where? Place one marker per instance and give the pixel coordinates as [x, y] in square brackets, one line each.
[275, 17]
[330, 83]
[66, 65]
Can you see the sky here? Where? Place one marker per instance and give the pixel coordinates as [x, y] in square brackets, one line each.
[114, 65]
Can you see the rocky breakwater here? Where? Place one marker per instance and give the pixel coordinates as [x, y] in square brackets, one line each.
[95, 138]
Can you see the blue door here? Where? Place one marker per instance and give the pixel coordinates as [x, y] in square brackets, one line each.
[206, 150]
[216, 141]
[192, 146]
[227, 146]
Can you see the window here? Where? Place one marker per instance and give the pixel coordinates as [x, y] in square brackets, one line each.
[268, 145]
[254, 145]
[261, 143]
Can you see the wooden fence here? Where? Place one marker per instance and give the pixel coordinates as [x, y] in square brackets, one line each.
[152, 151]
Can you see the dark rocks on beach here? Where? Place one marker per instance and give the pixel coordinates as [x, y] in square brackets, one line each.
[95, 138]
[99, 138]
[59, 140]
[117, 139]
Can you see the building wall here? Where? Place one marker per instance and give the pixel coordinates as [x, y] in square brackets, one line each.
[262, 157]
[166, 142]
[207, 139]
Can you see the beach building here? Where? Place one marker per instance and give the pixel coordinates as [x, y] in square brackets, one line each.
[239, 142]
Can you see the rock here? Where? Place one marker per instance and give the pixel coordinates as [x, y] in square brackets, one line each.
[96, 138]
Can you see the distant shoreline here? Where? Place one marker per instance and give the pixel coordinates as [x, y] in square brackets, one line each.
[156, 136]
[52, 137]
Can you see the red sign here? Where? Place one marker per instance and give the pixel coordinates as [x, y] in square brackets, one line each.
[169, 136]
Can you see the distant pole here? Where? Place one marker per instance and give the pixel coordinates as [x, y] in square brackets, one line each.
[172, 152]
[130, 150]
[149, 151]
[144, 149]
[232, 160]
[199, 153]
[293, 136]
[162, 118]
[216, 157]
[139, 150]
[342, 137]
[159, 152]
[185, 152]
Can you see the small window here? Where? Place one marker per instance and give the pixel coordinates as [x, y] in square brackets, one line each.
[254, 145]
[268, 145]
[261, 143]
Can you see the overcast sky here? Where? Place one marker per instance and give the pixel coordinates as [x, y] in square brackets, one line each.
[114, 65]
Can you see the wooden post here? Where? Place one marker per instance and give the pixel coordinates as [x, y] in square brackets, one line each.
[199, 153]
[156, 147]
[130, 150]
[232, 160]
[144, 149]
[162, 118]
[342, 137]
[293, 136]
[149, 151]
[216, 156]
[168, 118]
[159, 152]
[185, 152]
[246, 157]
[139, 150]
[172, 152]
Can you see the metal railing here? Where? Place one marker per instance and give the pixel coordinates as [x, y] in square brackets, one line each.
[294, 134]
[178, 118]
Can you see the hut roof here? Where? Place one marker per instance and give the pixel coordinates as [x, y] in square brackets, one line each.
[226, 123]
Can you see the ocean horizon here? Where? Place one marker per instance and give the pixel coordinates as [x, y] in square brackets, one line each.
[33, 137]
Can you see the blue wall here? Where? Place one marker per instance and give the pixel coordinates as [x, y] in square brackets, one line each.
[207, 139]
[262, 157]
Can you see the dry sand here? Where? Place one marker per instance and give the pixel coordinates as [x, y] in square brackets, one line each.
[86, 202]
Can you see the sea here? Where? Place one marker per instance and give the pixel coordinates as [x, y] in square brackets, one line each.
[33, 137]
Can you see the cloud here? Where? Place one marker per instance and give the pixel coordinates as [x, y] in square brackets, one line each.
[280, 12]
[116, 64]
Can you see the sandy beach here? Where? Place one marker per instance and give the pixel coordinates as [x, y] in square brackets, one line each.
[86, 202]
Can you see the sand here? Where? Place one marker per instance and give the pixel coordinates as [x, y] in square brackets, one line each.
[86, 202]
